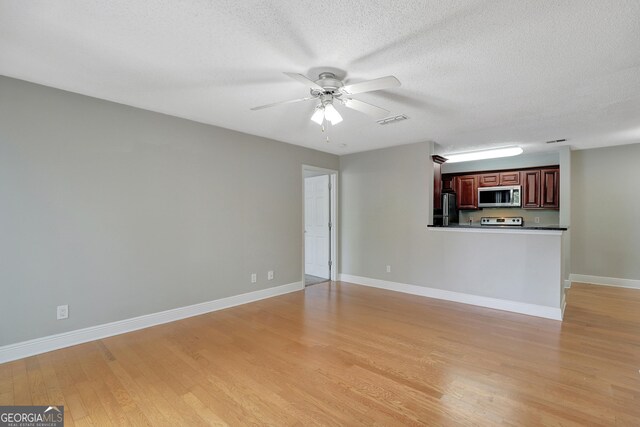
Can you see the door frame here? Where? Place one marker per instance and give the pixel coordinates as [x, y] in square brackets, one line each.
[333, 215]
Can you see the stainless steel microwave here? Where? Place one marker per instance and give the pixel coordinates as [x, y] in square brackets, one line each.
[507, 196]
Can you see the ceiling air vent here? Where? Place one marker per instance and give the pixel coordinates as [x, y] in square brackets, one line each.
[392, 119]
[556, 140]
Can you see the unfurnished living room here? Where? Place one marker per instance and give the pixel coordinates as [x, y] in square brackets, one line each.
[320, 213]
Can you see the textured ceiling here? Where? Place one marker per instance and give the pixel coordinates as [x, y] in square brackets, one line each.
[473, 73]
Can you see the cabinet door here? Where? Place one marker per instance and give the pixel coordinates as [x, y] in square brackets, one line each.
[447, 183]
[437, 186]
[530, 189]
[510, 178]
[467, 191]
[437, 180]
[489, 180]
[549, 188]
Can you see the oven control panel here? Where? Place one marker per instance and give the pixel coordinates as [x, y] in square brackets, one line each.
[502, 220]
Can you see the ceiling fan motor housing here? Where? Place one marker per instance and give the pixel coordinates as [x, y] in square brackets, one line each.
[330, 83]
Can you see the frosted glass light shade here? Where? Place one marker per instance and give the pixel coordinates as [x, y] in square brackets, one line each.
[331, 114]
[318, 116]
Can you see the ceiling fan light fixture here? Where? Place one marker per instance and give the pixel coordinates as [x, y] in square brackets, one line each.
[329, 88]
[331, 114]
[318, 115]
[483, 154]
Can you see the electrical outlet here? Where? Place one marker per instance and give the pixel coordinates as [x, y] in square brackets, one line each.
[270, 275]
[388, 269]
[254, 277]
[536, 220]
[62, 312]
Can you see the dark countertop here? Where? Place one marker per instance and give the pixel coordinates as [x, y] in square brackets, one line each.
[504, 227]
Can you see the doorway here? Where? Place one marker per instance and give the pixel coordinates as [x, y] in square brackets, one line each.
[319, 221]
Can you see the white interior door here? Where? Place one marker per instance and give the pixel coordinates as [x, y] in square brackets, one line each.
[316, 225]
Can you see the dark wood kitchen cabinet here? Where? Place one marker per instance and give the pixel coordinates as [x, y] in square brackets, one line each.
[447, 183]
[466, 187]
[489, 180]
[510, 178]
[530, 196]
[437, 180]
[541, 188]
[549, 188]
[496, 179]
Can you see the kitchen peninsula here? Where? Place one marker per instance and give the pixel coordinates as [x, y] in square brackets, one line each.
[516, 269]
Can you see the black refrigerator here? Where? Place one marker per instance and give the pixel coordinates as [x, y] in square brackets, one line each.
[449, 209]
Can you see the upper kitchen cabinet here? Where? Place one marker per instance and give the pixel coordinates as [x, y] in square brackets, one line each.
[488, 180]
[496, 179]
[550, 188]
[437, 181]
[447, 183]
[541, 188]
[466, 187]
[510, 178]
[530, 189]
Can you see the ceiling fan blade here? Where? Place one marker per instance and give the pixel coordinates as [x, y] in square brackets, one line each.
[283, 102]
[371, 85]
[365, 107]
[305, 81]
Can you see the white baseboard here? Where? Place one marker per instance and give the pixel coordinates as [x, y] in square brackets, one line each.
[554, 313]
[605, 281]
[567, 284]
[54, 342]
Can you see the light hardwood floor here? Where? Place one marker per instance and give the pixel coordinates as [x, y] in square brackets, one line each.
[340, 354]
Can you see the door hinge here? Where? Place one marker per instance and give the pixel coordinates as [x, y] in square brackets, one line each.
[330, 264]
[329, 185]
[330, 225]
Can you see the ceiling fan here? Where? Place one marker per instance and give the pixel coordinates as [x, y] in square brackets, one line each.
[329, 89]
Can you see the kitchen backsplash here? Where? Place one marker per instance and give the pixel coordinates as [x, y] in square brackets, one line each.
[546, 217]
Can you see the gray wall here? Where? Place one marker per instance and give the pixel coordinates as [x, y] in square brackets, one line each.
[565, 211]
[121, 212]
[384, 209]
[605, 237]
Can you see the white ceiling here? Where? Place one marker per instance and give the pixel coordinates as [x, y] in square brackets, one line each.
[474, 73]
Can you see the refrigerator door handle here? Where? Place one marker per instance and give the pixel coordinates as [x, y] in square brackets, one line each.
[445, 205]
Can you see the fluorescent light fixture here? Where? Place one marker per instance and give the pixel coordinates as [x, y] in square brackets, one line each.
[331, 114]
[484, 154]
[318, 115]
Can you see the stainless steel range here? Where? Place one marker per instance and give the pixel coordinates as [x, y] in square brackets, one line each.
[502, 220]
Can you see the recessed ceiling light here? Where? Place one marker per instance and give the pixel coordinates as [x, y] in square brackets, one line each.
[483, 154]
